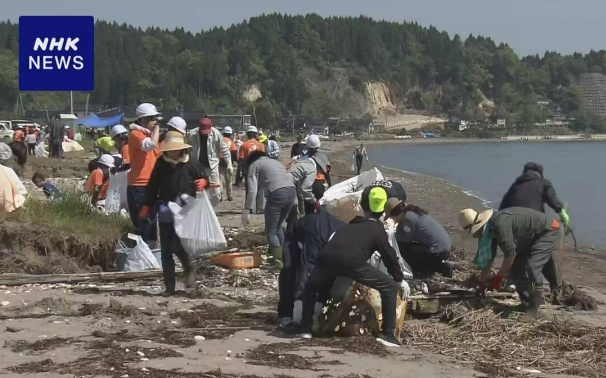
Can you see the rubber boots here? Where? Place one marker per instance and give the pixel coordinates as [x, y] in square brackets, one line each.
[276, 253]
[190, 276]
[534, 302]
[170, 287]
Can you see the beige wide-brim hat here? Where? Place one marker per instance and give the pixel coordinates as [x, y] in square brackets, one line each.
[391, 204]
[174, 141]
[472, 221]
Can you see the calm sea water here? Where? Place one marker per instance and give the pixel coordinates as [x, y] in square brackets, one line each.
[486, 170]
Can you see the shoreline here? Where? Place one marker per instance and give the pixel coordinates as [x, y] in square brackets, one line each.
[444, 199]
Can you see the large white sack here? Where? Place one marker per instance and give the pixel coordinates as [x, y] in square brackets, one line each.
[71, 145]
[115, 199]
[197, 226]
[351, 188]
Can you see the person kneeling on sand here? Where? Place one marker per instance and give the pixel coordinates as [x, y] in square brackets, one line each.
[423, 242]
[525, 236]
[347, 255]
[98, 181]
[174, 175]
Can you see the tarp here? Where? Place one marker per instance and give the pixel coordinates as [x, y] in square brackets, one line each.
[93, 120]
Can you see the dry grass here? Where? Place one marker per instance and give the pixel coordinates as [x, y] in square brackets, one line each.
[67, 236]
[500, 346]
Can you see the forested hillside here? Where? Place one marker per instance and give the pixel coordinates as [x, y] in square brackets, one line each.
[314, 66]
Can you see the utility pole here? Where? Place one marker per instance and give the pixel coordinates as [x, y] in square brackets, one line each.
[71, 102]
[21, 100]
[86, 108]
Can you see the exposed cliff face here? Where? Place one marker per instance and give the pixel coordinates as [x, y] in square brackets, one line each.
[378, 98]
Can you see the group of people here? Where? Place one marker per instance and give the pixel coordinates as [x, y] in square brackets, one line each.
[310, 246]
[527, 236]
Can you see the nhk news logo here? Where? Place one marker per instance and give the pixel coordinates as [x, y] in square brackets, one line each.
[56, 53]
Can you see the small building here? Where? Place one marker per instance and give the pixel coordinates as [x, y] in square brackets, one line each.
[457, 124]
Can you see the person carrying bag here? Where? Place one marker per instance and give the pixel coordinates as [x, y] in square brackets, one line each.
[173, 176]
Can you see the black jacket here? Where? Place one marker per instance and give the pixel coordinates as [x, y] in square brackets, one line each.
[394, 190]
[313, 232]
[531, 191]
[354, 243]
[168, 181]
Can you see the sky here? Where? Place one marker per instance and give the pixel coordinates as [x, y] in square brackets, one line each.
[528, 26]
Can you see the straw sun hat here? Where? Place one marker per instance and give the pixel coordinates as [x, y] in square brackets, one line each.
[174, 141]
[472, 221]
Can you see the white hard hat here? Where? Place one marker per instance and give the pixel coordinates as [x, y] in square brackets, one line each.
[178, 124]
[146, 110]
[107, 160]
[67, 127]
[227, 130]
[117, 130]
[313, 141]
[251, 129]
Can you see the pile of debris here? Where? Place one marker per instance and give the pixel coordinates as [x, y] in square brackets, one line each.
[503, 347]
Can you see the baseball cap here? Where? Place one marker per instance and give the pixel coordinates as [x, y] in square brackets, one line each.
[205, 126]
[377, 199]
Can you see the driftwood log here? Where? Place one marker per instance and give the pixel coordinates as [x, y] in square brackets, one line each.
[15, 279]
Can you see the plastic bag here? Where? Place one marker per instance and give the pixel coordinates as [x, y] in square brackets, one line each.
[484, 255]
[115, 199]
[406, 270]
[140, 257]
[197, 226]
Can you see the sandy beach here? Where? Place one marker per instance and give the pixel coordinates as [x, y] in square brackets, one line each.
[225, 328]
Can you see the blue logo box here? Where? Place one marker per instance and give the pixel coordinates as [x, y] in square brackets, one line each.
[56, 53]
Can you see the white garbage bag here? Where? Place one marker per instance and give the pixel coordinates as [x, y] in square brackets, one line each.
[115, 199]
[406, 270]
[197, 226]
[40, 150]
[140, 257]
[351, 188]
[71, 145]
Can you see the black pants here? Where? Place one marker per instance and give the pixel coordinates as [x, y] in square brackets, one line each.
[171, 244]
[135, 196]
[359, 159]
[326, 271]
[287, 282]
[530, 262]
[31, 148]
[56, 147]
[421, 260]
[240, 172]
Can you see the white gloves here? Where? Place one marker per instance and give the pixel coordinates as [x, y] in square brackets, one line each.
[230, 169]
[404, 289]
[245, 217]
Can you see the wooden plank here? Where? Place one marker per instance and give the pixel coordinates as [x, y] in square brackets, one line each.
[16, 279]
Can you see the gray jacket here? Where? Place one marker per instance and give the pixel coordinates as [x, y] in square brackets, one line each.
[265, 174]
[303, 174]
[216, 147]
[423, 229]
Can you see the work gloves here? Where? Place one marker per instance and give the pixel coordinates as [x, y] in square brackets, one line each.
[230, 169]
[493, 285]
[246, 217]
[201, 184]
[564, 216]
[144, 213]
[404, 289]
